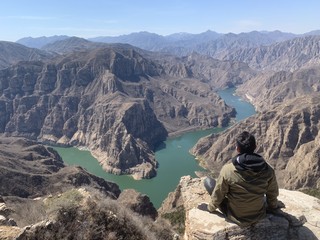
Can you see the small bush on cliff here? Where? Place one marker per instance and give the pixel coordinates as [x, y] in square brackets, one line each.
[315, 192]
[69, 198]
[177, 219]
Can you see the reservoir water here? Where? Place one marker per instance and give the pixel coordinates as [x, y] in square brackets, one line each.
[174, 158]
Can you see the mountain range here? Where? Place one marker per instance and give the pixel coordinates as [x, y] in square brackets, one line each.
[171, 43]
[120, 97]
[90, 92]
[116, 101]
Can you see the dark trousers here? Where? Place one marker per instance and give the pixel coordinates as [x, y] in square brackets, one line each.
[209, 184]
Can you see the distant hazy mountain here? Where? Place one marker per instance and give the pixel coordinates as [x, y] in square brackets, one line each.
[314, 33]
[69, 45]
[228, 43]
[210, 43]
[11, 53]
[39, 42]
[155, 42]
[144, 40]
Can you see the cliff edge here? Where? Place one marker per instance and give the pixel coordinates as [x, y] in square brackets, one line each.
[300, 219]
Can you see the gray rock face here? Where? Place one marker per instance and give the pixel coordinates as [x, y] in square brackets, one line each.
[113, 101]
[288, 55]
[277, 88]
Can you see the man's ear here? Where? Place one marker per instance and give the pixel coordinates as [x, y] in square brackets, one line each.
[238, 149]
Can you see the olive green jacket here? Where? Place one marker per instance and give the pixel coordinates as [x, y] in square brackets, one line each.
[245, 194]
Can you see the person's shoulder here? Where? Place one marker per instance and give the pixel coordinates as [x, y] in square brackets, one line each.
[228, 171]
[228, 167]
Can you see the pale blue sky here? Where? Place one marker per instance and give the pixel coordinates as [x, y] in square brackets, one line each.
[83, 18]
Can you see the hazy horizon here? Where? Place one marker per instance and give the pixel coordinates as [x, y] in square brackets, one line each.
[88, 19]
[159, 34]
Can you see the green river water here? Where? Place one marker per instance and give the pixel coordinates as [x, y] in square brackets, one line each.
[174, 158]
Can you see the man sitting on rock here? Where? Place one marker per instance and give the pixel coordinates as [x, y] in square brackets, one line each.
[246, 187]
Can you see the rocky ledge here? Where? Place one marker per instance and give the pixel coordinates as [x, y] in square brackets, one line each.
[300, 219]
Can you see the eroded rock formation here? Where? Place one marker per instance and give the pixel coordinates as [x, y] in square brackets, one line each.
[287, 55]
[114, 101]
[277, 88]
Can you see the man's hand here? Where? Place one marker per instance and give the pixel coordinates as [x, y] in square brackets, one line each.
[203, 207]
[280, 204]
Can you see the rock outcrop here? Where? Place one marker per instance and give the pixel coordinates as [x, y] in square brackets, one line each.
[29, 170]
[288, 55]
[300, 219]
[137, 202]
[287, 137]
[115, 101]
[271, 89]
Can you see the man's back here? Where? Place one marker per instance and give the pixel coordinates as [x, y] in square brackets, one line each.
[246, 193]
[244, 187]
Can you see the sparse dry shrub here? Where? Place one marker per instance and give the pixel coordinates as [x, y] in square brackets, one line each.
[177, 219]
[26, 211]
[99, 218]
[69, 198]
[315, 192]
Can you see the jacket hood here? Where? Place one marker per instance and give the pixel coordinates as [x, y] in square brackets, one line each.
[249, 161]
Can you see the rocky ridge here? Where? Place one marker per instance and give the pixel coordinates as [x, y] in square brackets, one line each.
[41, 198]
[12, 53]
[277, 88]
[114, 101]
[288, 55]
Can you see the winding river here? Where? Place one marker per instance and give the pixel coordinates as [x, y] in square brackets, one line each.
[173, 157]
